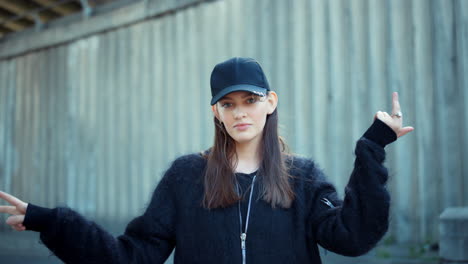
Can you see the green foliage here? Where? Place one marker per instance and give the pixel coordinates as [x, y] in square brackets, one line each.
[383, 253]
[389, 240]
[416, 251]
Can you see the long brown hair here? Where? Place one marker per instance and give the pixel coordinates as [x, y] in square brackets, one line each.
[219, 177]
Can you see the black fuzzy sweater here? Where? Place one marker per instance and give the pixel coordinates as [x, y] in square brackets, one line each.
[175, 219]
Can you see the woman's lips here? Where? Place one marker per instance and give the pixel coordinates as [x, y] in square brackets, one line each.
[242, 127]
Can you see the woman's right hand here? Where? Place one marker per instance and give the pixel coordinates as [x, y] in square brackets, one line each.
[17, 211]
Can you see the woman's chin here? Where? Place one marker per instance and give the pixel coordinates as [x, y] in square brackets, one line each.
[244, 139]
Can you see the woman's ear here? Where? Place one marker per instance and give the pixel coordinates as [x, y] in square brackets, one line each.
[215, 111]
[272, 102]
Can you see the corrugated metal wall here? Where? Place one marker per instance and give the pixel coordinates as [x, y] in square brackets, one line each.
[94, 123]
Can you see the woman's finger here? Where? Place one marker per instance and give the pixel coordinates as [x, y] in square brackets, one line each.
[15, 220]
[10, 198]
[405, 131]
[380, 115]
[395, 103]
[14, 201]
[9, 210]
[19, 228]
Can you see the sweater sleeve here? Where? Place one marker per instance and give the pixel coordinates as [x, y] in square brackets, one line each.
[149, 238]
[353, 226]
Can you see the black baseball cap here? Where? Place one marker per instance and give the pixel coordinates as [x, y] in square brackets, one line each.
[237, 74]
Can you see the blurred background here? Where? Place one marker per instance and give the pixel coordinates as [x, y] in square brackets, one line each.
[98, 97]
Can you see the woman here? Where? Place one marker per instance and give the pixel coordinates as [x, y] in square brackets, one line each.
[243, 200]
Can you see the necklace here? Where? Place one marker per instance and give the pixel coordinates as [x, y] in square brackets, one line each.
[243, 235]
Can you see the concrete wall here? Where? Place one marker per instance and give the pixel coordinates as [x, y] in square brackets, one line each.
[92, 111]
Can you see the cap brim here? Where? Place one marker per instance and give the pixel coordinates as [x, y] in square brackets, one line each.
[240, 87]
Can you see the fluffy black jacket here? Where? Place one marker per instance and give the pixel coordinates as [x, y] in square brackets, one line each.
[175, 219]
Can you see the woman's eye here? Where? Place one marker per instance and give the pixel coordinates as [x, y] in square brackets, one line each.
[226, 105]
[252, 100]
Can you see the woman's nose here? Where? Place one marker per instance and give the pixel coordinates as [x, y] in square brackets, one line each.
[239, 113]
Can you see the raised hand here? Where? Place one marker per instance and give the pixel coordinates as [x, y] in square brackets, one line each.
[395, 120]
[17, 211]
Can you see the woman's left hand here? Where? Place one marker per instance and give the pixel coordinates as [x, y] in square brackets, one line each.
[394, 121]
[17, 210]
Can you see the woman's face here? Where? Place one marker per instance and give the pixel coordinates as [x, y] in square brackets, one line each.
[243, 114]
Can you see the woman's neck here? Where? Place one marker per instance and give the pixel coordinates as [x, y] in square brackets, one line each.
[248, 157]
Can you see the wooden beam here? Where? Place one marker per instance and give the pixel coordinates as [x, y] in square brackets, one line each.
[15, 25]
[63, 9]
[21, 7]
